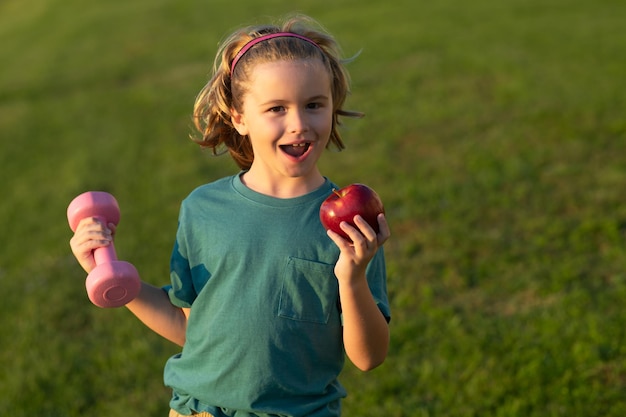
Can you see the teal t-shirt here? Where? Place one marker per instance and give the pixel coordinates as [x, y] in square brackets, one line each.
[264, 336]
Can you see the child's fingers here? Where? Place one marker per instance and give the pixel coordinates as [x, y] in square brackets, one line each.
[339, 240]
[90, 235]
[383, 229]
[93, 228]
[365, 229]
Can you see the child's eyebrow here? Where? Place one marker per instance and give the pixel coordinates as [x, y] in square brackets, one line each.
[319, 97]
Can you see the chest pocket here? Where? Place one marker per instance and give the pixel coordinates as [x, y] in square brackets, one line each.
[309, 291]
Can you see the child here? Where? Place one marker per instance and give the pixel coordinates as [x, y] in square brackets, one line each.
[264, 301]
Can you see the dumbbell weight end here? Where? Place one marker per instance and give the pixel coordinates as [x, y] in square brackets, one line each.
[113, 284]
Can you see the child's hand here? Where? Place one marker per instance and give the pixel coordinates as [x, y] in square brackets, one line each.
[356, 255]
[90, 235]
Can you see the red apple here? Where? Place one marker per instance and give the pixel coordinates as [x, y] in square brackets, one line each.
[342, 205]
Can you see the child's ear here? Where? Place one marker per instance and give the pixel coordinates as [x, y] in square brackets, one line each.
[239, 122]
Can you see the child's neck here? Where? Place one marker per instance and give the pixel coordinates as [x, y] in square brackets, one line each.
[283, 187]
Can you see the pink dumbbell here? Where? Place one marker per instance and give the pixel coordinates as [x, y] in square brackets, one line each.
[111, 283]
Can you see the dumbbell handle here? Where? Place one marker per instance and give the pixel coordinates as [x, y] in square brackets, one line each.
[105, 254]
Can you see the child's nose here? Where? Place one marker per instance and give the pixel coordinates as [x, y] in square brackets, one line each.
[298, 122]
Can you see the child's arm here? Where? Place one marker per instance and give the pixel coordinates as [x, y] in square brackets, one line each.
[152, 305]
[365, 329]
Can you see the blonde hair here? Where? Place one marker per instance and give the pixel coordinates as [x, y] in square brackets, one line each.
[224, 91]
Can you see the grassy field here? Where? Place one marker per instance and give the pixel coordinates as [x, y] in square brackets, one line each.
[495, 133]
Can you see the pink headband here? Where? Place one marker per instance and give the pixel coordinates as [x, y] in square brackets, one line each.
[254, 41]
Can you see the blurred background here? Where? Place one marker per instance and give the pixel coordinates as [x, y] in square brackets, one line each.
[494, 133]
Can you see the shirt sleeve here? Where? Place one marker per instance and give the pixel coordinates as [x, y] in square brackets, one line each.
[181, 290]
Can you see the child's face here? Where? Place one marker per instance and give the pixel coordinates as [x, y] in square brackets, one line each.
[287, 114]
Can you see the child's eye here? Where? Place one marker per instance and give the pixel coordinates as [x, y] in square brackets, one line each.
[276, 109]
[313, 106]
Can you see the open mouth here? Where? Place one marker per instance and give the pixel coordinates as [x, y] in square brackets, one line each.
[296, 150]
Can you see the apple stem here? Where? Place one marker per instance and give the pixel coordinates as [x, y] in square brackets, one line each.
[336, 192]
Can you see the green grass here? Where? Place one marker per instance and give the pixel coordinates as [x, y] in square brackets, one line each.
[494, 133]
